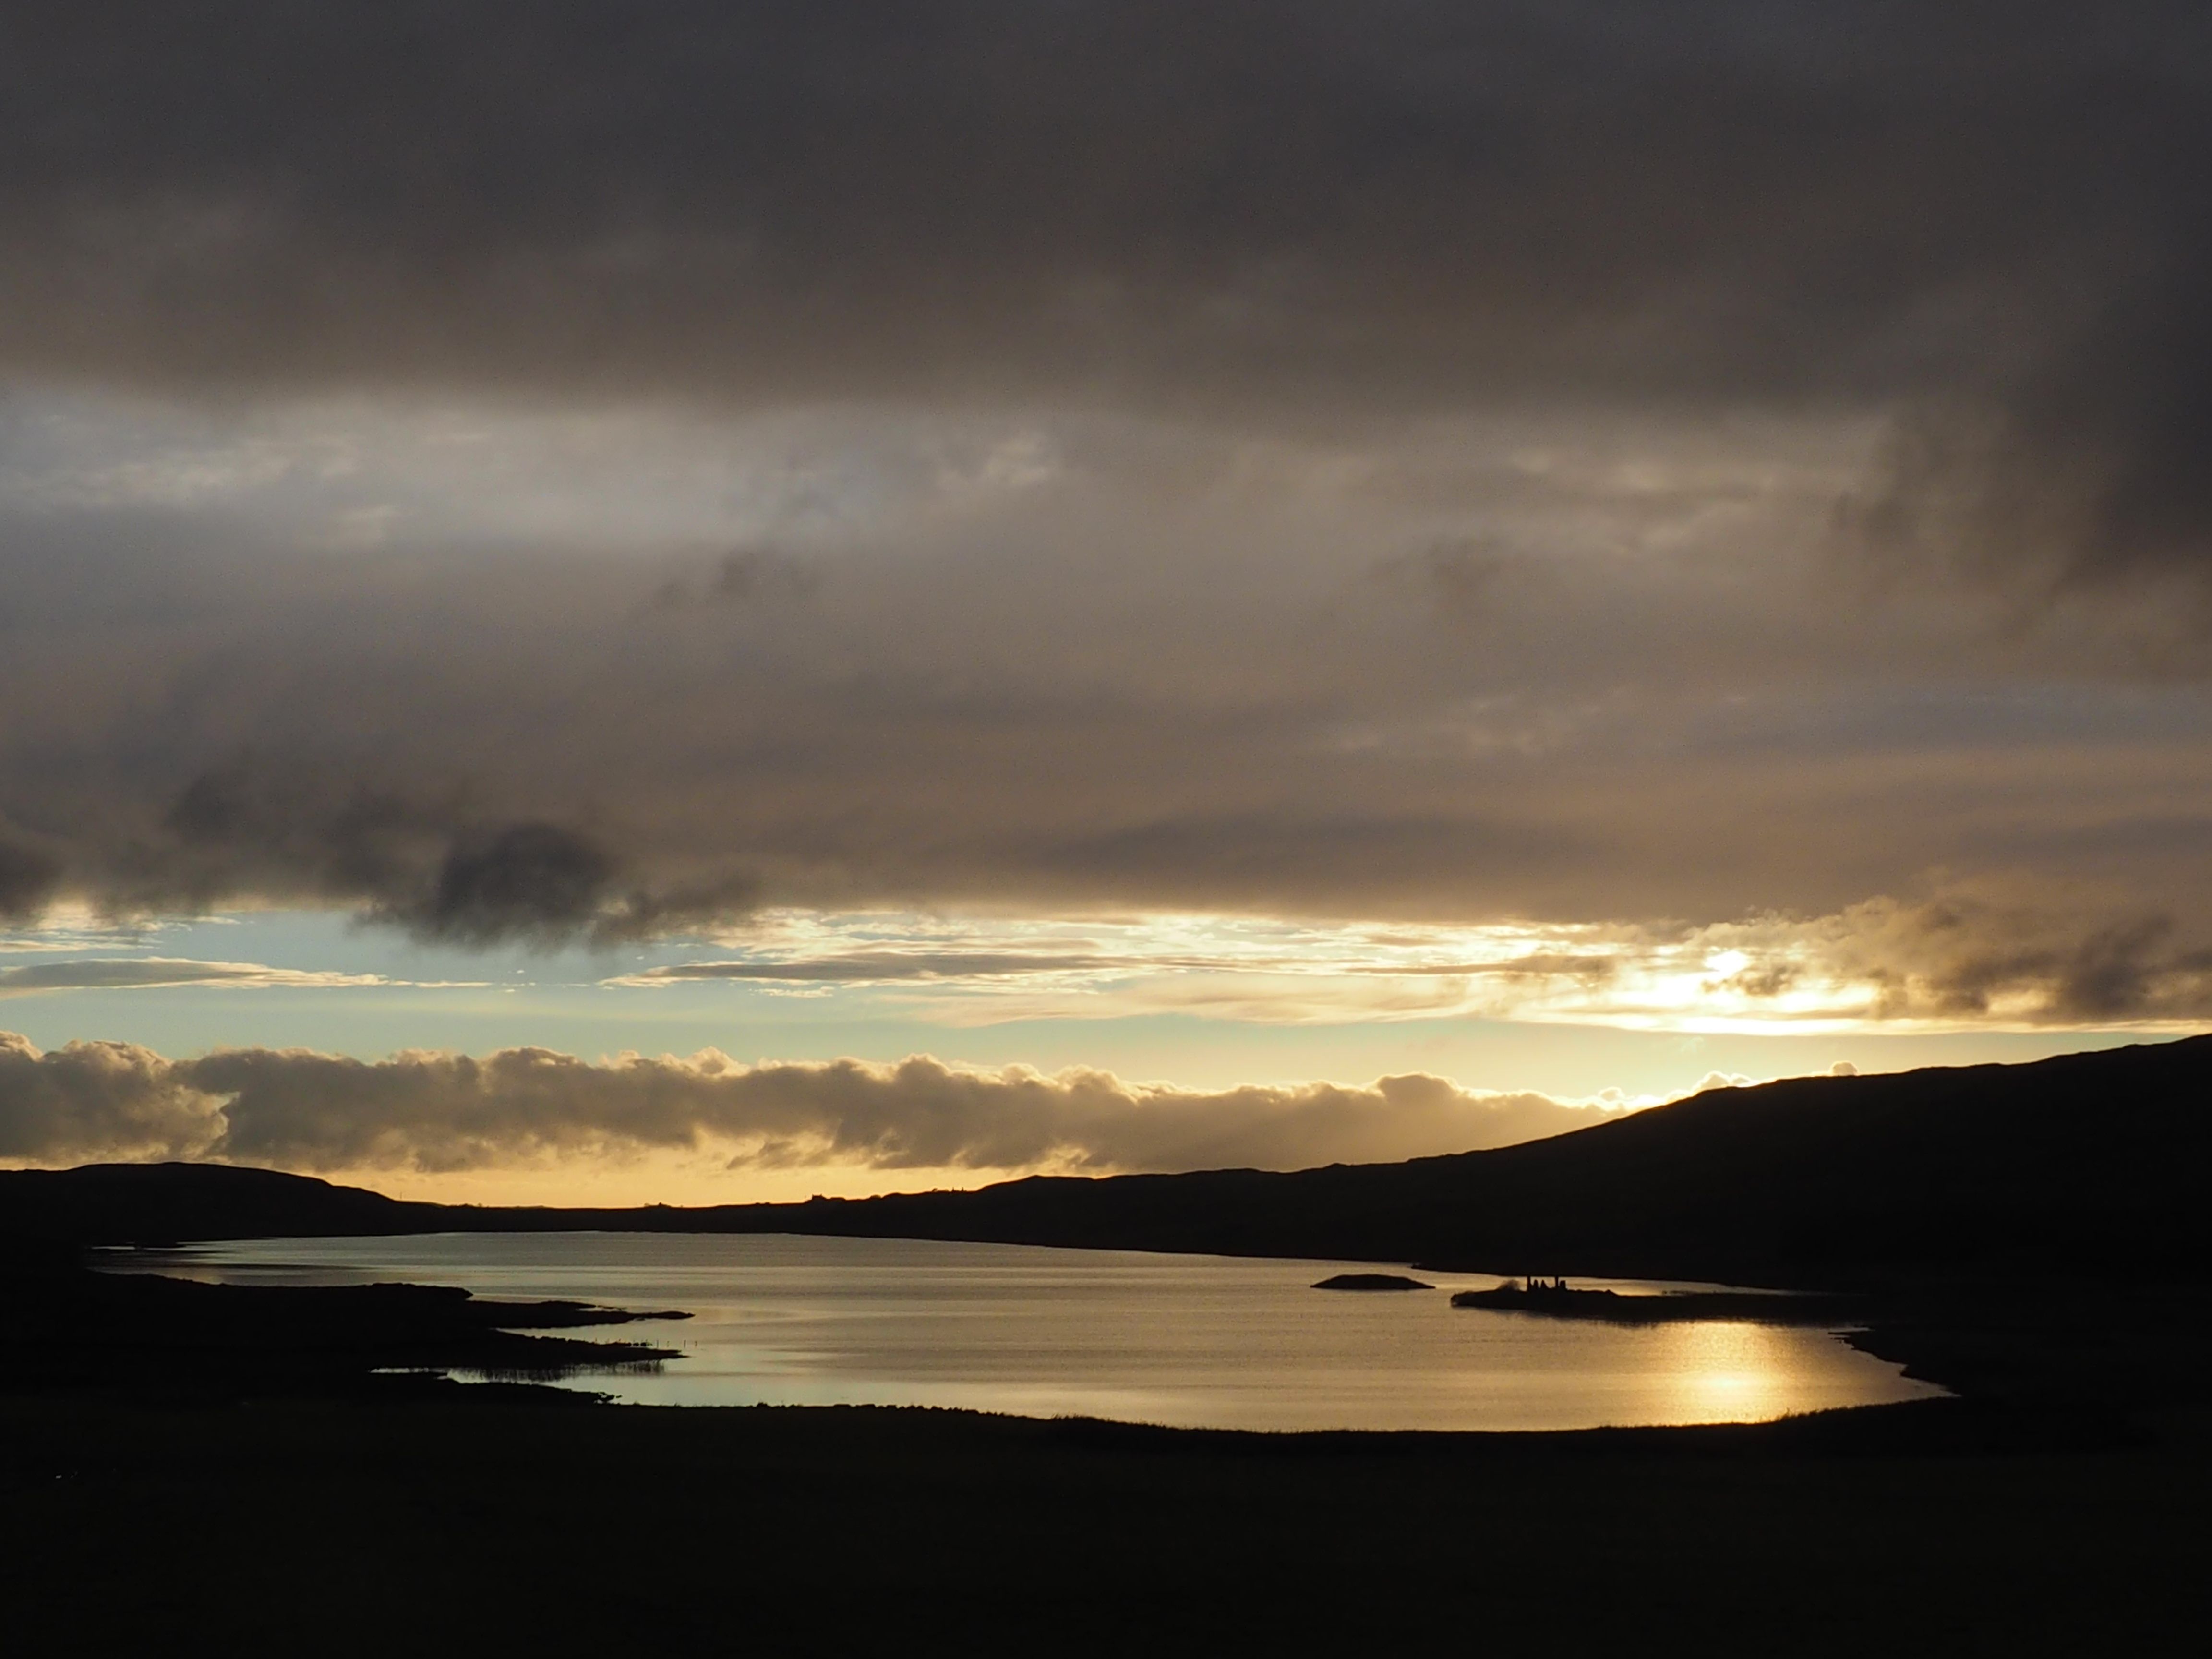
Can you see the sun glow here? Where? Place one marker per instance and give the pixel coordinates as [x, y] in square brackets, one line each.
[1731, 1373]
[1772, 974]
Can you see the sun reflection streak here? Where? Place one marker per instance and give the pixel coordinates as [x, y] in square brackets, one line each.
[1730, 1373]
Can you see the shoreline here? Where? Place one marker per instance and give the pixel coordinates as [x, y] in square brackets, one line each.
[96, 1327]
[2111, 1346]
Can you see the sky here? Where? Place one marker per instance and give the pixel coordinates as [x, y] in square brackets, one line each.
[609, 603]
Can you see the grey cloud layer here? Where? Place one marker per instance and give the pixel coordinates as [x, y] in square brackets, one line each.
[1572, 671]
[1415, 459]
[299, 1109]
[1993, 212]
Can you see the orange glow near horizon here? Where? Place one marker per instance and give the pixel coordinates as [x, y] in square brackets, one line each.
[625, 1183]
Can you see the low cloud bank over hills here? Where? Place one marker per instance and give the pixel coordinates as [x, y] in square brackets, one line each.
[424, 1112]
[2013, 1176]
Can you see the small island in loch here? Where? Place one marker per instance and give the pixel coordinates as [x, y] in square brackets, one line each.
[1371, 1282]
[1556, 1297]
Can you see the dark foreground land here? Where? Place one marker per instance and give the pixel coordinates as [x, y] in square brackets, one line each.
[2034, 1238]
[435, 1527]
[229, 1468]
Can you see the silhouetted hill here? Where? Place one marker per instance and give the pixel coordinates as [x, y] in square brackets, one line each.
[2090, 1163]
[165, 1203]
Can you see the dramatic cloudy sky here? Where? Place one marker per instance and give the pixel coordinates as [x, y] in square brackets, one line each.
[700, 599]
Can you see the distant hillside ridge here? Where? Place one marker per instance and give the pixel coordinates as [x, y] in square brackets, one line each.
[173, 1203]
[2087, 1163]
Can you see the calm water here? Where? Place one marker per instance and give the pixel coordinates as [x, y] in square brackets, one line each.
[1213, 1341]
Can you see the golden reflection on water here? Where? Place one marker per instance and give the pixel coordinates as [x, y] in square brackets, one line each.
[1714, 1372]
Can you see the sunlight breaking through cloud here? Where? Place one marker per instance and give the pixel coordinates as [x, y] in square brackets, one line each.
[1963, 959]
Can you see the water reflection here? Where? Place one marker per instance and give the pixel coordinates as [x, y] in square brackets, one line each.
[1208, 1341]
[1731, 1372]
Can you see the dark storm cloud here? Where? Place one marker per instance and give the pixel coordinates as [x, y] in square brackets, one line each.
[1998, 209]
[28, 880]
[528, 878]
[426, 863]
[1339, 461]
[1103, 696]
[2087, 468]
[1999, 950]
[1962, 964]
[299, 1109]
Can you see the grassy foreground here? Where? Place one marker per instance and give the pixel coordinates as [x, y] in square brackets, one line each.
[445, 1524]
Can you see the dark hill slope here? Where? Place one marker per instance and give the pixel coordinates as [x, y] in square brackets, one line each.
[2094, 1163]
[164, 1203]
[2087, 1162]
